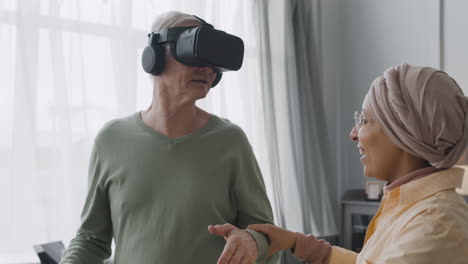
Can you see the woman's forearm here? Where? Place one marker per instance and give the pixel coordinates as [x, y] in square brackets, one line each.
[311, 250]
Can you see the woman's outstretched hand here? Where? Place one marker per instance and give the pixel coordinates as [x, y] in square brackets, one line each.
[280, 239]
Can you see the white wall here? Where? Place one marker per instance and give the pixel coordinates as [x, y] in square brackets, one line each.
[362, 38]
[455, 44]
[331, 58]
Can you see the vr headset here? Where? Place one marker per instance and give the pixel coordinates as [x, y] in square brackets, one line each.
[196, 46]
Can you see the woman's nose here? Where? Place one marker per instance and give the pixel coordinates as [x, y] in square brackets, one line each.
[353, 135]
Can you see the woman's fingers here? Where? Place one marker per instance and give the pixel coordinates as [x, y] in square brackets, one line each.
[280, 239]
[266, 229]
[262, 228]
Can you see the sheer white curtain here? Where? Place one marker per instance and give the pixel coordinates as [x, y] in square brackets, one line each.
[292, 94]
[67, 67]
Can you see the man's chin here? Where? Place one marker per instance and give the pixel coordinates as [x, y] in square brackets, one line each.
[202, 94]
[200, 97]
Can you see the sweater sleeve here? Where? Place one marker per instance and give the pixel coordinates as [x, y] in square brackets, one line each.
[252, 201]
[92, 243]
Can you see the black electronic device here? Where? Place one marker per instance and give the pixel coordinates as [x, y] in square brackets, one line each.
[196, 46]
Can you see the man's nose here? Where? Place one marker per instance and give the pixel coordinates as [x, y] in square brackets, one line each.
[208, 69]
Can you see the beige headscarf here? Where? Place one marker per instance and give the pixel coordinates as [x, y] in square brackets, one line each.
[423, 111]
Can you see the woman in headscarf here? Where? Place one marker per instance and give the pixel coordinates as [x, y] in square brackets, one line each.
[412, 129]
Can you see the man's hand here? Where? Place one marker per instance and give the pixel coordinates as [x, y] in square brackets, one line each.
[240, 246]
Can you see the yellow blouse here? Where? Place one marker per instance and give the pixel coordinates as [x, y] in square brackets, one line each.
[423, 221]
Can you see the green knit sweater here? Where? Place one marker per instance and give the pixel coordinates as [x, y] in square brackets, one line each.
[156, 196]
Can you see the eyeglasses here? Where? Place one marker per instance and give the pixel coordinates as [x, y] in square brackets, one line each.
[360, 120]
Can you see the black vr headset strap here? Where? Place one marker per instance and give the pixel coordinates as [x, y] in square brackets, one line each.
[165, 35]
[204, 23]
[171, 34]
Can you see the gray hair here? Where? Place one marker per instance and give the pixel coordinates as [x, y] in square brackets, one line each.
[172, 19]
